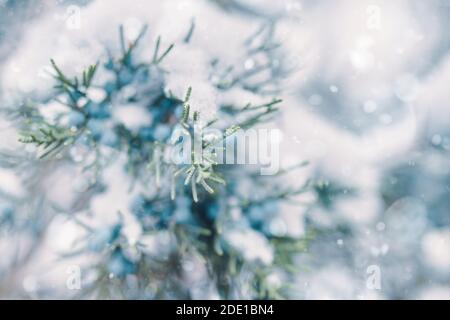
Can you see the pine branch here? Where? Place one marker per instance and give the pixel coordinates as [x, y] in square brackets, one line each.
[156, 58]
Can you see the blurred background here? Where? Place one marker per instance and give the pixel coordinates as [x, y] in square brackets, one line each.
[367, 105]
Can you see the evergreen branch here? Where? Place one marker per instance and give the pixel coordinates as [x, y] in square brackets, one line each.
[61, 77]
[249, 107]
[88, 75]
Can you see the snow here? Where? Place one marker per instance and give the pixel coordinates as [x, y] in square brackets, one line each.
[436, 249]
